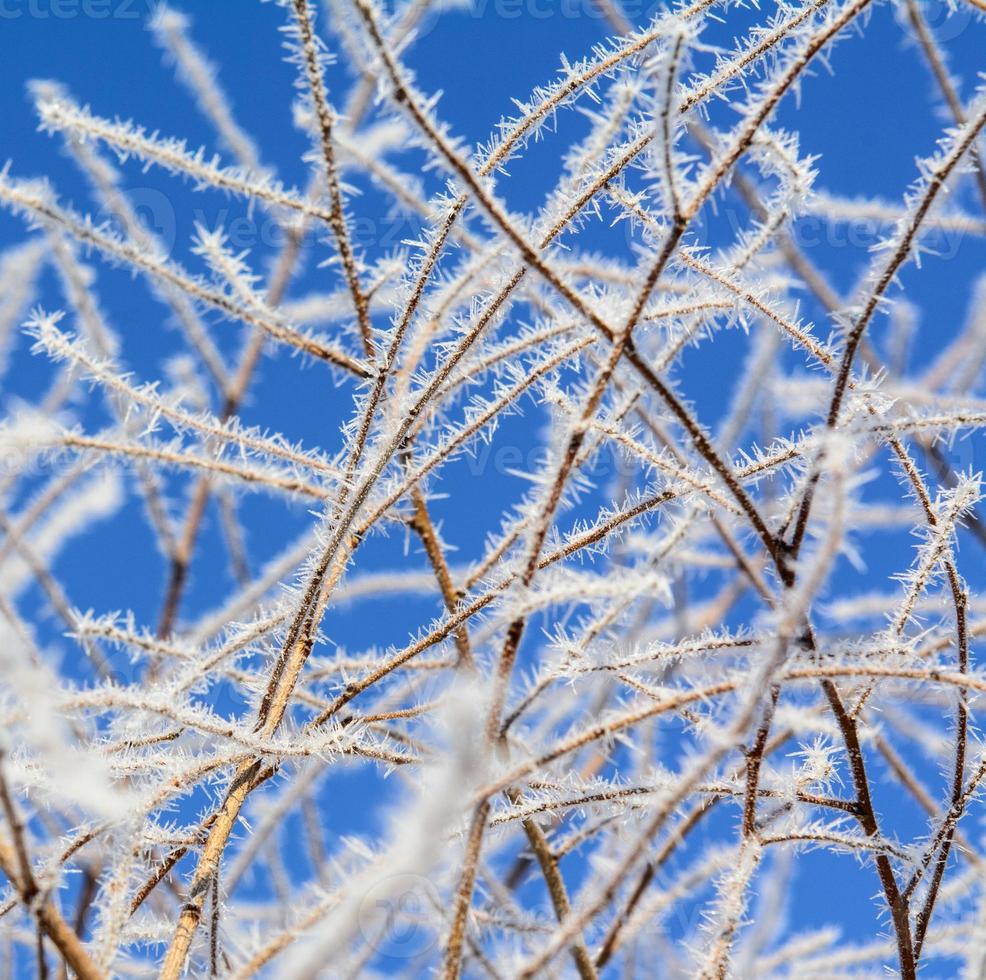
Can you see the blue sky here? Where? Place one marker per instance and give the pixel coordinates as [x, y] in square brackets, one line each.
[867, 112]
[479, 59]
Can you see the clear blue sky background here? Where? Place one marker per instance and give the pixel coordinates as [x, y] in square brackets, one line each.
[867, 118]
